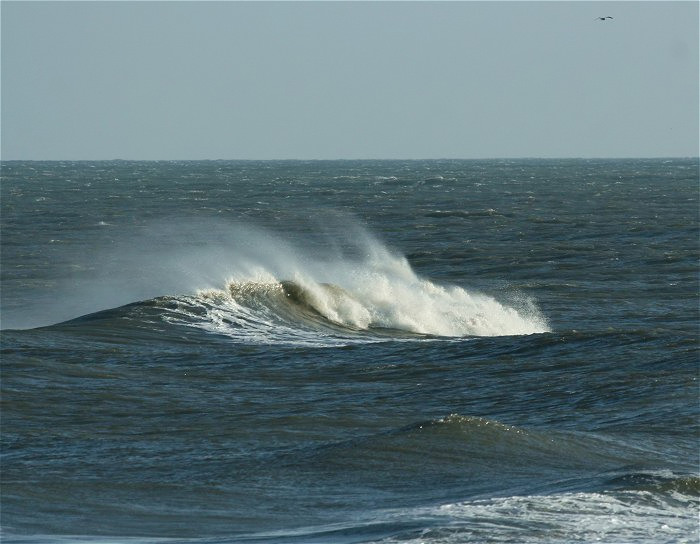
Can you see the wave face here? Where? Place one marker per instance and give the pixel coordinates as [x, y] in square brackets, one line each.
[279, 293]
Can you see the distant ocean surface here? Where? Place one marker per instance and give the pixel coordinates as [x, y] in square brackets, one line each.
[412, 352]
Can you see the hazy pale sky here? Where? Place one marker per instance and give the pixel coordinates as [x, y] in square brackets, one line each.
[326, 80]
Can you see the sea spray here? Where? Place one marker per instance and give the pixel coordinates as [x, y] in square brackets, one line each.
[367, 287]
[343, 275]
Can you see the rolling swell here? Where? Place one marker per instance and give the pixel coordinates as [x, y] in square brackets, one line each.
[457, 460]
[481, 450]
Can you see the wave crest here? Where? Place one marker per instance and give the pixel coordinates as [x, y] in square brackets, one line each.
[330, 285]
[369, 304]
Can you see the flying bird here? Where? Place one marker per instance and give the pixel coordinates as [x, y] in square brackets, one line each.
[603, 18]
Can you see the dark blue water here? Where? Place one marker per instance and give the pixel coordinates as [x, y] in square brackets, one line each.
[350, 351]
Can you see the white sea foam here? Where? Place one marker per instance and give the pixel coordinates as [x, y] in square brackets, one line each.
[639, 516]
[364, 287]
[622, 516]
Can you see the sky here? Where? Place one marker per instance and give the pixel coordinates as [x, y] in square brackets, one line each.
[194, 80]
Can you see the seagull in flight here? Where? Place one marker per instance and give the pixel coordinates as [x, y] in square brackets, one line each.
[603, 18]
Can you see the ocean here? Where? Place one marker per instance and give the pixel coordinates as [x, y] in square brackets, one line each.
[435, 352]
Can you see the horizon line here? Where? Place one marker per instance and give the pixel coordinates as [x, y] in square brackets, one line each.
[339, 159]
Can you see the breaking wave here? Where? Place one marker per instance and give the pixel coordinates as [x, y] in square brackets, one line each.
[321, 289]
[366, 301]
[375, 303]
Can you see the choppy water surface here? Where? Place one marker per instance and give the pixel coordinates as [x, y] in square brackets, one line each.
[350, 351]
